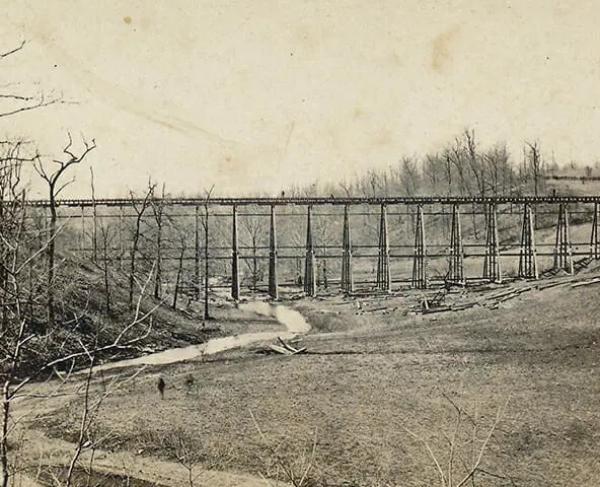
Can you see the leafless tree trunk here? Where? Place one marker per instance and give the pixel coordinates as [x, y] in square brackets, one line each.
[158, 208]
[197, 253]
[94, 218]
[256, 230]
[55, 187]
[179, 273]
[139, 211]
[106, 243]
[84, 427]
[23, 244]
[535, 165]
[206, 255]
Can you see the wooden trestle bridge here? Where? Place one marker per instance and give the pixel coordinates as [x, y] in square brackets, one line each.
[418, 209]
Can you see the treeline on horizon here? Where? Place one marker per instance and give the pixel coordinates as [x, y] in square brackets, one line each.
[462, 168]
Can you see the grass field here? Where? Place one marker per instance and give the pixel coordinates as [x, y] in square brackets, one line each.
[378, 388]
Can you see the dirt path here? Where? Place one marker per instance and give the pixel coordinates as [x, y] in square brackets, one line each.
[52, 452]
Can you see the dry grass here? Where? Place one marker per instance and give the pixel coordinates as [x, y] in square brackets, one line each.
[373, 376]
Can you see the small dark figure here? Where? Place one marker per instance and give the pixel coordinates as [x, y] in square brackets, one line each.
[189, 382]
[161, 387]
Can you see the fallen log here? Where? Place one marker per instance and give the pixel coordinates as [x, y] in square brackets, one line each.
[439, 309]
[586, 283]
[281, 350]
[286, 346]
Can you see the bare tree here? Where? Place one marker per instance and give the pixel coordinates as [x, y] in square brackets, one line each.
[457, 155]
[140, 209]
[409, 177]
[107, 238]
[297, 472]
[23, 243]
[346, 189]
[17, 374]
[90, 408]
[456, 470]
[475, 162]
[256, 230]
[182, 243]
[205, 223]
[433, 172]
[158, 209]
[55, 187]
[20, 101]
[94, 217]
[535, 164]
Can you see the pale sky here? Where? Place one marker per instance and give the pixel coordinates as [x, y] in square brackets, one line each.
[256, 95]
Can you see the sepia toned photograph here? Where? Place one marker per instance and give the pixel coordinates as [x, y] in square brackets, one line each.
[299, 243]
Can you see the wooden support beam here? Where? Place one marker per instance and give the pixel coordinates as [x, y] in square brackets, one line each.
[310, 282]
[82, 237]
[456, 268]
[563, 251]
[121, 240]
[206, 262]
[491, 265]
[528, 254]
[235, 260]
[419, 275]
[273, 285]
[94, 228]
[384, 279]
[347, 275]
[594, 241]
[327, 200]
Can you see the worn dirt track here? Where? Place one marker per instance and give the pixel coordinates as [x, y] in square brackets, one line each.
[56, 452]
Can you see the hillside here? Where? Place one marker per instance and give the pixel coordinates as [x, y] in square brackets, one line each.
[378, 382]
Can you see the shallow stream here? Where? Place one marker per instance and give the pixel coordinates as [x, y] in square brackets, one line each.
[293, 321]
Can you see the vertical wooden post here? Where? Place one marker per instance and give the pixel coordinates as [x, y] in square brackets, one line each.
[206, 264]
[347, 277]
[310, 282]
[528, 253]
[557, 238]
[235, 278]
[273, 286]
[94, 231]
[594, 241]
[384, 280]
[456, 266]
[491, 266]
[82, 238]
[567, 248]
[419, 276]
[563, 252]
[178, 278]
[121, 243]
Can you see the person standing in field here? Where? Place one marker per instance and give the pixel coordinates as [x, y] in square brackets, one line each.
[161, 387]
